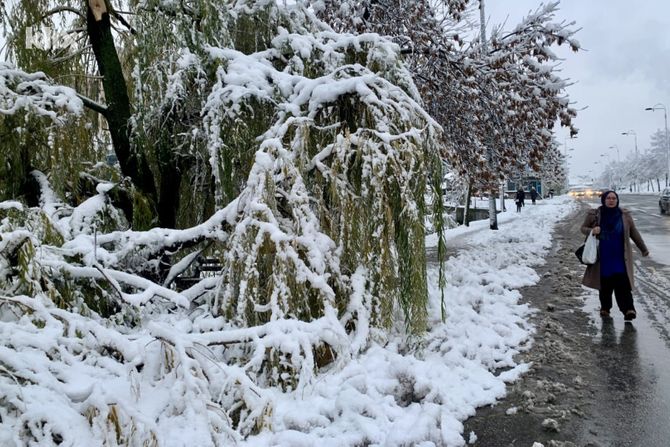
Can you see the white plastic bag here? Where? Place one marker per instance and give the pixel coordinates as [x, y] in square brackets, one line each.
[590, 255]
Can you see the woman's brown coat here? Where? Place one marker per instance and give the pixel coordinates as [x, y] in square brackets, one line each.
[592, 273]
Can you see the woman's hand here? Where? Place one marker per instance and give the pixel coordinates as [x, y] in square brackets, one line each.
[595, 231]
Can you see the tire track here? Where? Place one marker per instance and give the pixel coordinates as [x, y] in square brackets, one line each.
[653, 290]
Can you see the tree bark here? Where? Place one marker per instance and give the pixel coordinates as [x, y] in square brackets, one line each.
[117, 114]
[29, 186]
[170, 182]
[466, 209]
[493, 216]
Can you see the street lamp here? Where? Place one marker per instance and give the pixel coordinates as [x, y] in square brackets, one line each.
[608, 169]
[660, 106]
[632, 132]
[618, 158]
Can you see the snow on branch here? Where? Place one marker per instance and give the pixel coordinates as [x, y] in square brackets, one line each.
[339, 115]
[34, 92]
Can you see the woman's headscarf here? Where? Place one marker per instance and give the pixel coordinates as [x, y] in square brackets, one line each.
[609, 217]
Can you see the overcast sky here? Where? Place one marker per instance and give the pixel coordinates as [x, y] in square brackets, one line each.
[625, 67]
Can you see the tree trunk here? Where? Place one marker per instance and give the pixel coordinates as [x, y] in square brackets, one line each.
[30, 189]
[133, 164]
[168, 203]
[466, 210]
[493, 217]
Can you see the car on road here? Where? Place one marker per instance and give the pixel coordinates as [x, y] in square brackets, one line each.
[583, 191]
[664, 201]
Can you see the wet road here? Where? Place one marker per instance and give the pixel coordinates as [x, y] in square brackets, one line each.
[632, 405]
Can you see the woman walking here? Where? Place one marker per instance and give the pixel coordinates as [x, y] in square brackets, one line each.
[613, 272]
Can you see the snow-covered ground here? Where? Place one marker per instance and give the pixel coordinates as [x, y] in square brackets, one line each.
[397, 392]
[392, 398]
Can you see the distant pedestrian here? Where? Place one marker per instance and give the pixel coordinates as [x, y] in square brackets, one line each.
[520, 197]
[533, 194]
[613, 271]
[551, 193]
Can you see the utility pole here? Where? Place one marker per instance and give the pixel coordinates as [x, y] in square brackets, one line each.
[633, 133]
[493, 218]
[667, 141]
[618, 157]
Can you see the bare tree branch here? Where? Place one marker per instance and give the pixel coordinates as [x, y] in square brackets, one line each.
[63, 9]
[95, 106]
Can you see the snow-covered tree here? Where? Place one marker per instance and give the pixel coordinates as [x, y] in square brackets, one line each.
[653, 163]
[298, 158]
[505, 95]
[643, 171]
[552, 170]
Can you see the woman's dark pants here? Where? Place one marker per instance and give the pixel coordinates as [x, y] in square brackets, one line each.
[620, 285]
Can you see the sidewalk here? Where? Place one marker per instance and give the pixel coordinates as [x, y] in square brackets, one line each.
[546, 405]
[489, 315]
[404, 390]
